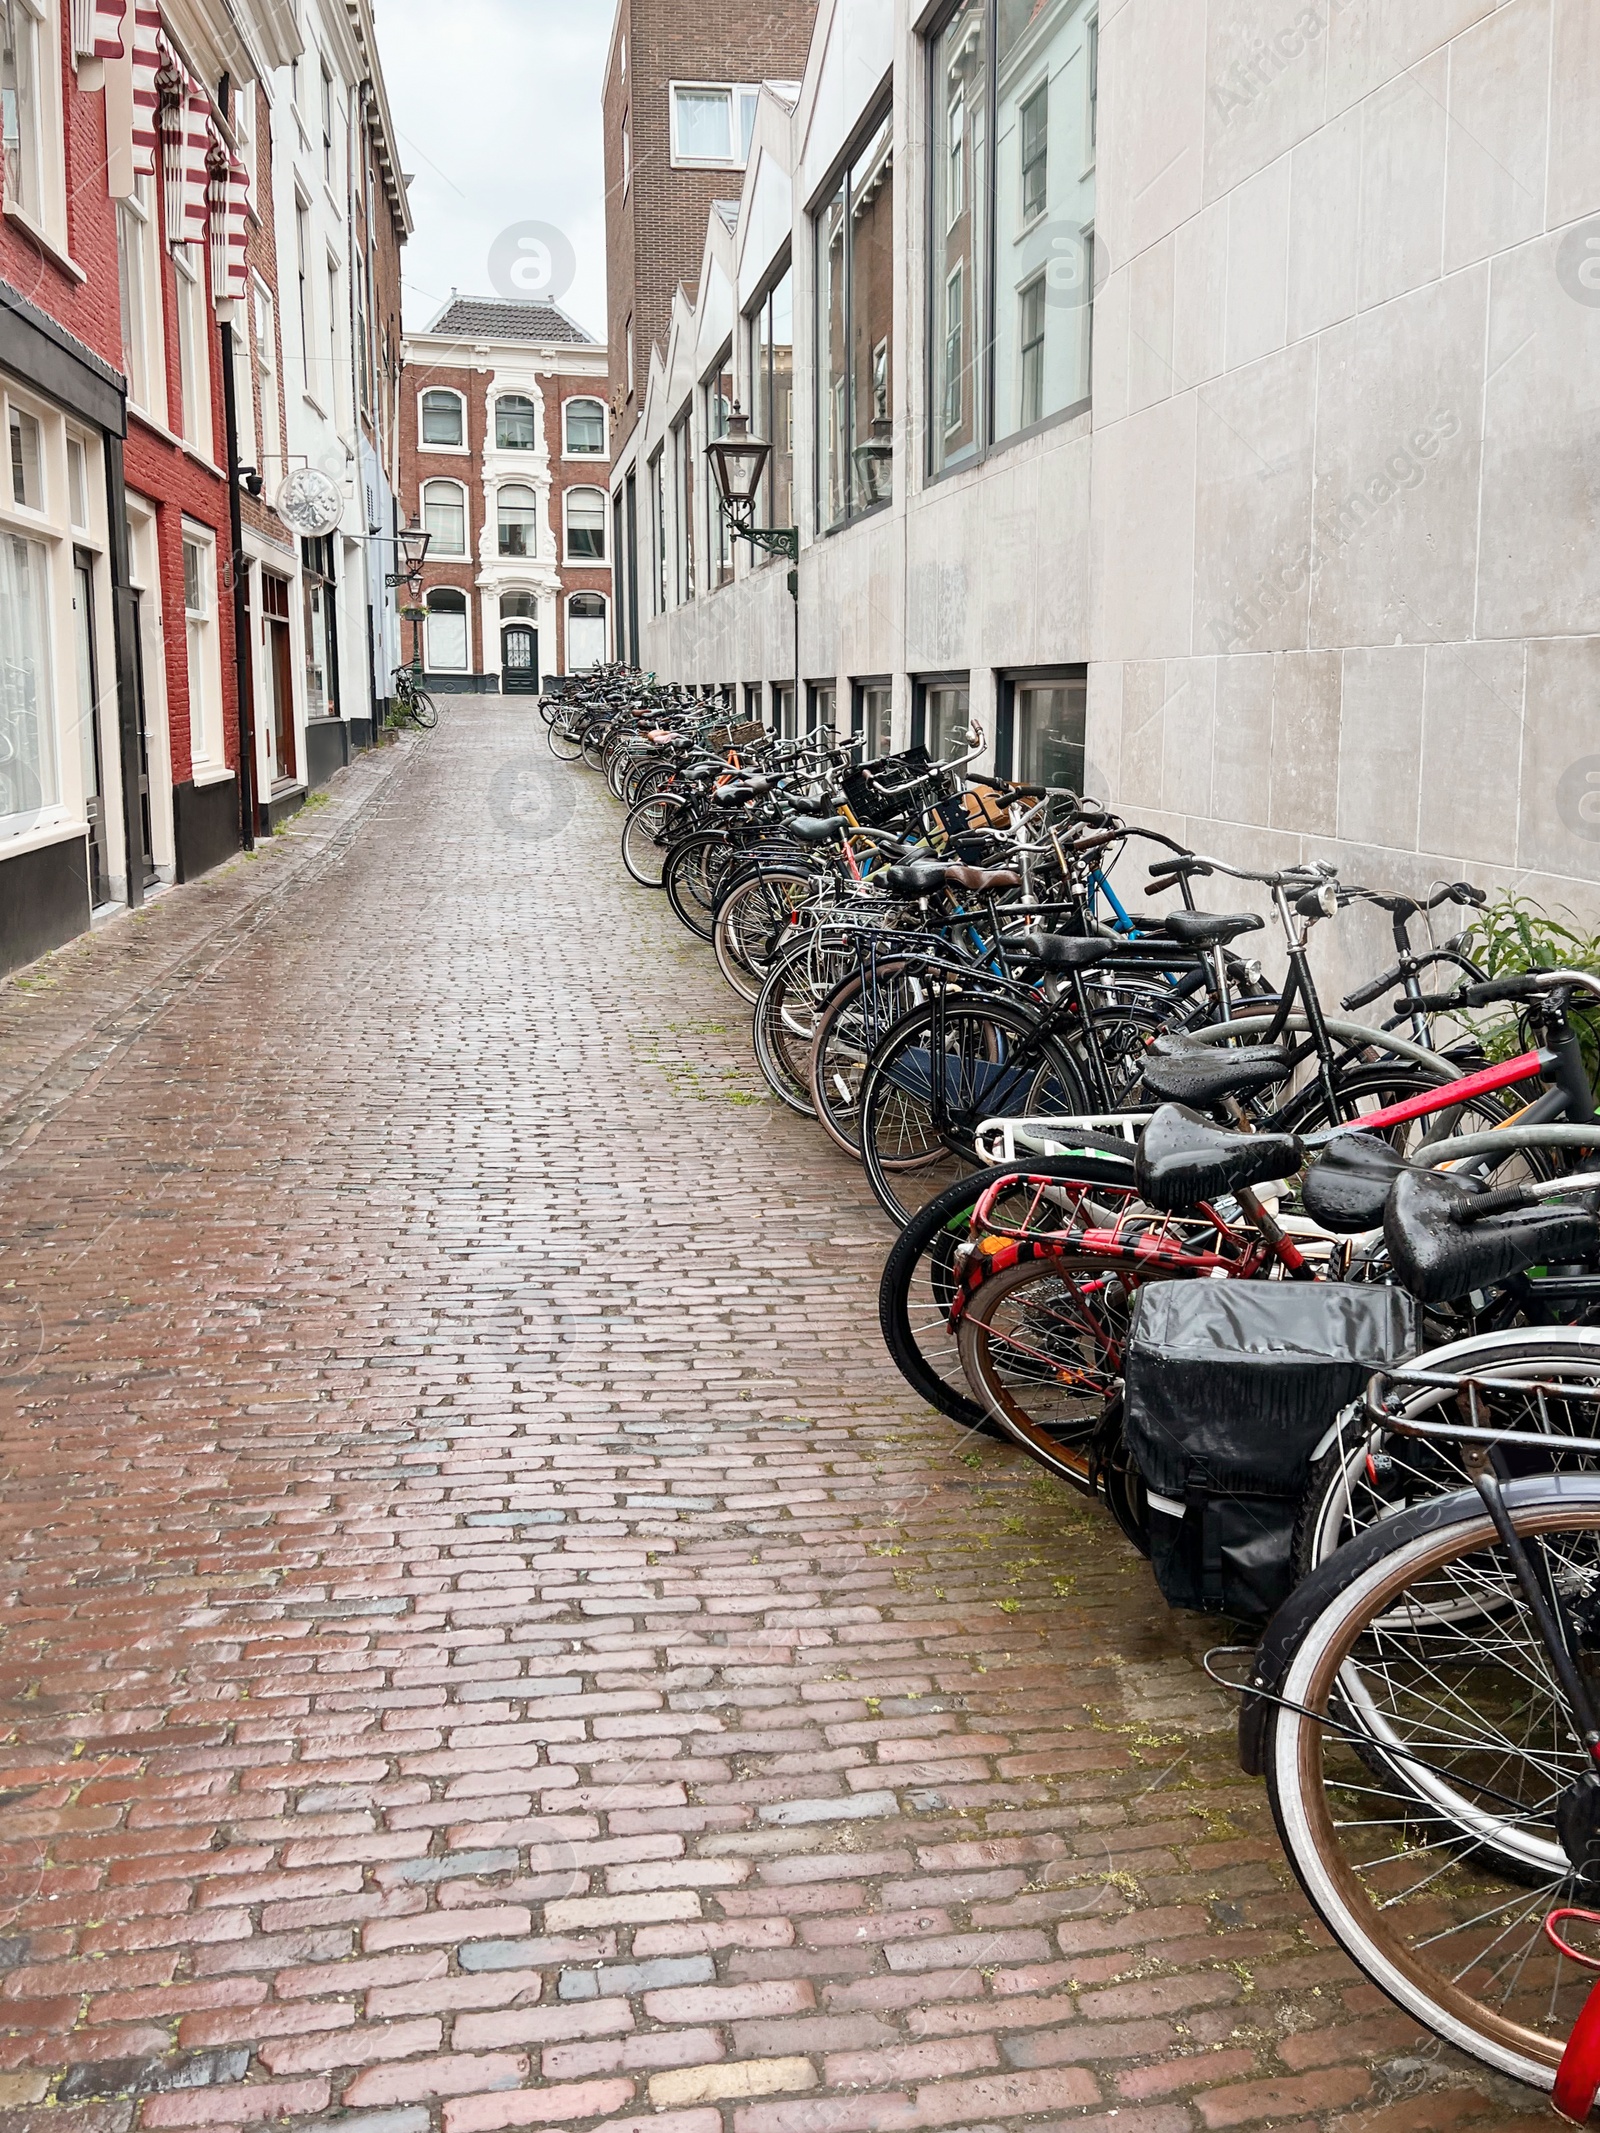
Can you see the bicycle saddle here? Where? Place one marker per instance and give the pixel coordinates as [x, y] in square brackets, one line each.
[1208, 929]
[1183, 1159]
[816, 829]
[980, 881]
[1439, 1257]
[1067, 951]
[1179, 1071]
[1347, 1187]
[919, 877]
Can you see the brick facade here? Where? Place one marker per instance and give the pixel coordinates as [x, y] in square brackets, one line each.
[656, 224]
[479, 369]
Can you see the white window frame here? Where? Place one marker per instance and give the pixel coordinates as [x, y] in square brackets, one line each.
[439, 481]
[627, 152]
[203, 656]
[587, 562]
[511, 393]
[465, 615]
[139, 244]
[530, 553]
[264, 339]
[738, 94]
[45, 527]
[244, 384]
[194, 353]
[605, 625]
[568, 449]
[460, 450]
[43, 208]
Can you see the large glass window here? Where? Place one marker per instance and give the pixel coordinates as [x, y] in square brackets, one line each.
[586, 526]
[870, 717]
[658, 530]
[21, 108]
[772, 361]
[443, 418]
[139, 286]
[586, 631]
[712, 121]
[518, 512]
[27, 721]
[1047, 730]
[204, 664]
[942, 712]
[683, 487]
[586, 425]
[194, 352]
[444, 513]
[855, 299]
[718, 407]
[447, 630]
[1012, 237]
[515, 423]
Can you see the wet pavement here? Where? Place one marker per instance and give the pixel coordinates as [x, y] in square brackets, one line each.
[489, 1640]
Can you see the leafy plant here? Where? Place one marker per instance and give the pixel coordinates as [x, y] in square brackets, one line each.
[1512, 934]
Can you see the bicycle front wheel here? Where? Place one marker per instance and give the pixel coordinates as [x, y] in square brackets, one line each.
[1426, 1771]
[424, 712]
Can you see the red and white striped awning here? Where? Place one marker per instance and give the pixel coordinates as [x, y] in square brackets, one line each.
[97, 28]
[228, 194]
[194, 220]
[147, 60]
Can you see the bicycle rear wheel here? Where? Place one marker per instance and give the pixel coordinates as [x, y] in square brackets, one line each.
[755, 921]
[646, 837]
[937, 1075]
[693, 876]
[424, 711]
[1421, 1733]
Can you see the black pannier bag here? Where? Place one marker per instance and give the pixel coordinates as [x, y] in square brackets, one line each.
[1230, 1385]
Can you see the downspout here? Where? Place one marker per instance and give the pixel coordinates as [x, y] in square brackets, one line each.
[240, 575]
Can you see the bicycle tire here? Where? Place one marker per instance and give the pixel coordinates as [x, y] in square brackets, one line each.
[424, 711]
[692, 876]
[754, 921]
[901, 1136]
[1348, 1624]
[918, 1282]
[646, 839]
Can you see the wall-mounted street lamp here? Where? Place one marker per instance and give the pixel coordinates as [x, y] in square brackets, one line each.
[412, 543]
[738, 462]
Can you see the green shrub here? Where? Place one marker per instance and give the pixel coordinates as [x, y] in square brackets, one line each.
[1512, 934]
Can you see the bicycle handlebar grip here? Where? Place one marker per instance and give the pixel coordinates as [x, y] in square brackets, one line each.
[1524, 985]
[1431, 1003]
[1365, 993]
[1463, 892]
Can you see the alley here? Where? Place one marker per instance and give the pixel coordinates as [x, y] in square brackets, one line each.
[489, 1640]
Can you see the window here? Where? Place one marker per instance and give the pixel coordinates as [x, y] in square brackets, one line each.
[444, 514]
[658, 516]
[303, 282]
[445, 632]
[783, 709]
[327, 124]
[719, 536]
[334, 308]
[23, 439]
[516, 423]
[683, 505]
[821, 700]
[627, 155]
[518, 607]
[772, 361]
[942, 709]
[712, 122]
[194, 353]
[1041, 729]
[444, 420]
[586, 631]
[31, 165]
[627, 337]
[870, 718]
[586, 426]
[752, 703]
[28, 779]
[204, 660]
[322, 682]
[1033, 136]
[518, 515]
[244, 389]
[139, 288]
[586, 525]
[1017, 222]
[266, 353]
[855, 300]
[78, 484]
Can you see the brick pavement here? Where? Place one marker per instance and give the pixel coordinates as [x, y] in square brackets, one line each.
[490, 1641]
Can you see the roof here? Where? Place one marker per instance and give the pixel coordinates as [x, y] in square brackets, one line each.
[488, 318]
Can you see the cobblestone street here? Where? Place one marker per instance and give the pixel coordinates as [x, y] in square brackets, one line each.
[489, 1639]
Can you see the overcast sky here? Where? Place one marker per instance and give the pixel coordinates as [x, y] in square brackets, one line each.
[497, 105]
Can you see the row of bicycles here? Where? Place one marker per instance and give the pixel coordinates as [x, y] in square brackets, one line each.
[1306, 1293]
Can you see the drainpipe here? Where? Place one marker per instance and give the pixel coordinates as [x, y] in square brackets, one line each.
[240, 574]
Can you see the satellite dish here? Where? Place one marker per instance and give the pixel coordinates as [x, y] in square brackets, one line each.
[309, 503]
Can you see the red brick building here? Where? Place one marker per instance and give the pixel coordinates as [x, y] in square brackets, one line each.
[503, 459]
